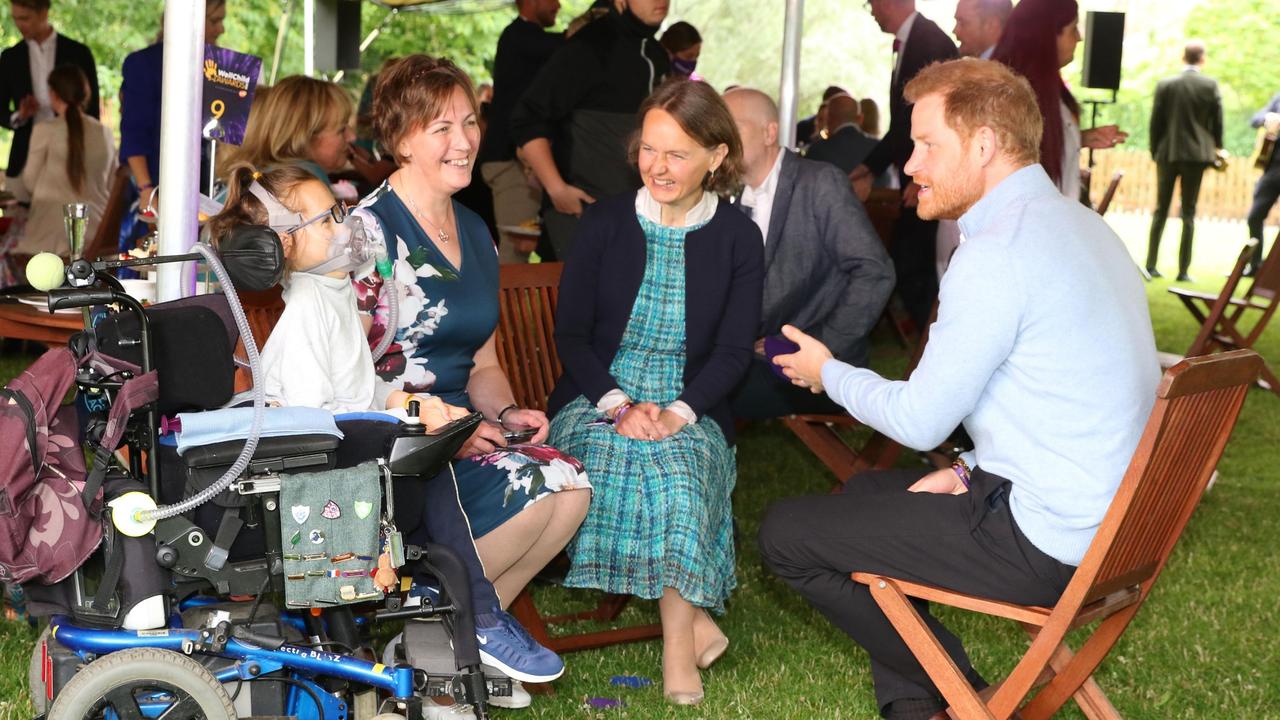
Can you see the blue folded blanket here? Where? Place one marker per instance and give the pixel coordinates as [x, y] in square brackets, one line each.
[214, 426]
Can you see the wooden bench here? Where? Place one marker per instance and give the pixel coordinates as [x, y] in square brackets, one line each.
[527, 354]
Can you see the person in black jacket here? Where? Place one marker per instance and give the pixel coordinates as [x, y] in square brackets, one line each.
[574, 121]
[523, 48]
[917, 42]
[1268, 187]
[24, 79]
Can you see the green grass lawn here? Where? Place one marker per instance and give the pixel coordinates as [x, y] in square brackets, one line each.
[1203, 647]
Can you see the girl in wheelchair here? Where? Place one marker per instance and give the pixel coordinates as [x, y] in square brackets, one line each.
[318, 355]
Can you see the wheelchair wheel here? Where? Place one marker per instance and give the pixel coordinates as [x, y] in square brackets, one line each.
[143, 682]
[35, 669]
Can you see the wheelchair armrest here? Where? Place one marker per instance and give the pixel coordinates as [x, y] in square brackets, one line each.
[274, 454]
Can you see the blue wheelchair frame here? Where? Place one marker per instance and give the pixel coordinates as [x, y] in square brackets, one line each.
[251, 662]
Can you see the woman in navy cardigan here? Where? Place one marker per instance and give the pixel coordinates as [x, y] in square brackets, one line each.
[657, 315]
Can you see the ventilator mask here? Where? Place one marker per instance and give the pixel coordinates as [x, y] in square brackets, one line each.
[350, 247]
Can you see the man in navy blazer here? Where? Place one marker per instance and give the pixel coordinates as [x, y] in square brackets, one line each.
[917, 42]
[1186, 135]
[846, 146]
[24, 77]
[825, 268]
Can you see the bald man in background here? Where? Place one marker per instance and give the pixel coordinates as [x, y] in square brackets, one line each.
[825, 268]
[846, 146]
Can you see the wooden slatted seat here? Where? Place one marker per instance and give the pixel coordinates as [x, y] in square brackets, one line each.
[527, 353]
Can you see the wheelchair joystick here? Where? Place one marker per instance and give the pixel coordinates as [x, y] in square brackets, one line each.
[413, 423]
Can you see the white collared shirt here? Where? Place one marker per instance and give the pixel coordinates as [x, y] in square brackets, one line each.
[901, 36]
[986, 54]
[648, 207]
[760, 198]
[42, 56]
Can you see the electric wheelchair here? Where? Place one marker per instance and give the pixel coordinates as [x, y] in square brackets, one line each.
[227, 636]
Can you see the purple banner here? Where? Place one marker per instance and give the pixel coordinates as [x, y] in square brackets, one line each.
[230, 78]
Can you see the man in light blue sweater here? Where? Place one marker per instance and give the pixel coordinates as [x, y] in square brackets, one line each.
[1043, 349]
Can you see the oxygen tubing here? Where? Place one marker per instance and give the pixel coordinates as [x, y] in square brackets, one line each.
[259, 402]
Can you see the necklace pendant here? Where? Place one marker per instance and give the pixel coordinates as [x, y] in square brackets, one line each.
[444, 236]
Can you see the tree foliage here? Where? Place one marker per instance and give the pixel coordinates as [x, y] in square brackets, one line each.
[841, 45]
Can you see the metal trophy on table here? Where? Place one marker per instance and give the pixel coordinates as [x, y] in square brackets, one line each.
[74, 217]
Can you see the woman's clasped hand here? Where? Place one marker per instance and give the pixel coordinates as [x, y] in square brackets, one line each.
[646, 421]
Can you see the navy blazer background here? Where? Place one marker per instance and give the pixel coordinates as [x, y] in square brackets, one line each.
[1186, 119]
[926, 44]
[15, 84]
[723, 279]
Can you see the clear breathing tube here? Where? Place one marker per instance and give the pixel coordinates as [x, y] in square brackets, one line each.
[259, 402]
[390, 291]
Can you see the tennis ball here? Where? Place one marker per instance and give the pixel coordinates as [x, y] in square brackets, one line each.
[44, 271]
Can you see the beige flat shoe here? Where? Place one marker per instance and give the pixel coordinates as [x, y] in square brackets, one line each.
[713, 652]
[683, 698]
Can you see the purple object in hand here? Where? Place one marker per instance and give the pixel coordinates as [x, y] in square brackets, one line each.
[775, 345]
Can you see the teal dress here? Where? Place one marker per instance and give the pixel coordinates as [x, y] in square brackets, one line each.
[446, 313]
[661, 515]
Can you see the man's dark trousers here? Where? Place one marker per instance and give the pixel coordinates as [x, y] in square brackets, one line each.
[1265, 194]
[969, 543]
[1189, 175]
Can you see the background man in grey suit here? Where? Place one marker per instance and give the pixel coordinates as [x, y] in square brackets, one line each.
[825, 268]
[846, 146]
[1186, 133]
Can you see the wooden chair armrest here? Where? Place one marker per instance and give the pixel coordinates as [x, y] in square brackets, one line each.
[1209, 299]
[1194, 294]
[1029, 614]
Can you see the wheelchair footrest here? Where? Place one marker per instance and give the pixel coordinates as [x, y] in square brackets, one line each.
[426, 647]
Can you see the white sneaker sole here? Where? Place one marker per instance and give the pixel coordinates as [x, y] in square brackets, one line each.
[518, 700]
[514, 674]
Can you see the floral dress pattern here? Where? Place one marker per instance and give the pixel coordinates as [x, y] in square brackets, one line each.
[661, 514]
[445, 314]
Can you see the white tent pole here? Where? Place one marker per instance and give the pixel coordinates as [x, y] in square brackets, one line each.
[309, 38]
[788, 94]
[180, 143]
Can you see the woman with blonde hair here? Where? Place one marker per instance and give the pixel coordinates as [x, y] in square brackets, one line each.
[298, 121]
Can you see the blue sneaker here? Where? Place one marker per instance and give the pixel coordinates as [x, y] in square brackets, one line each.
[507, 646]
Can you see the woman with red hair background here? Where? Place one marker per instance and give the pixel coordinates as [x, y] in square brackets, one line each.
[1039, 40]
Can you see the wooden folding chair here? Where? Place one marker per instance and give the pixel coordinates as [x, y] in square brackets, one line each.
[106, 239]
[262, 309]
[527, 353]
[884, 207]
[1110, 193]
[1220, 315]
[1196, 407]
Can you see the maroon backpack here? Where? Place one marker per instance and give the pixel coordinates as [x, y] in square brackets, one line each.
[48, 530]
